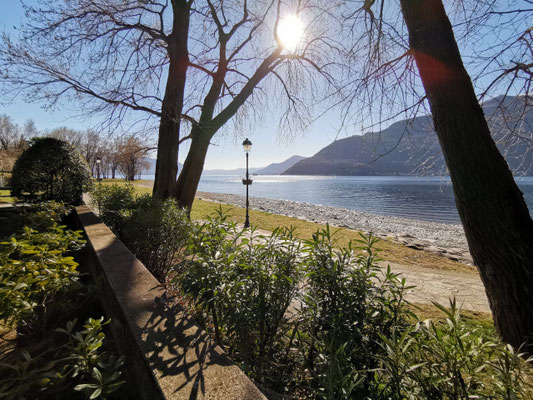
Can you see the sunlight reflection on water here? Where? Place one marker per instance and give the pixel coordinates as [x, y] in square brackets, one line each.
[417, 197]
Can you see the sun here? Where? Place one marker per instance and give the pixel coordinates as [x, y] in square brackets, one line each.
[290, 32]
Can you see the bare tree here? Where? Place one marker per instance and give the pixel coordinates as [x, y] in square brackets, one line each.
[90, 148]
[135, 49]
[72, 136]
[29, 130]
[245, 57]
[130, 157]
[13, 141]
[9, 133]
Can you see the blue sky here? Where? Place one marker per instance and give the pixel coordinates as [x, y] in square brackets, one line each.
[226, 151]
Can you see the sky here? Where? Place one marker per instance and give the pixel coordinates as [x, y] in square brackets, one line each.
[226, 152]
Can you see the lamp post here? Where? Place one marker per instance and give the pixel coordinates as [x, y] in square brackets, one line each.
[247, 145]
[98, 161]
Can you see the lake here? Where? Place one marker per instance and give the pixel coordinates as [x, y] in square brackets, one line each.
[425, 198]
[417, 197]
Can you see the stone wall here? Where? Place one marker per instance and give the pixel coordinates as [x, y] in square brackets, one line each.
[168, 356]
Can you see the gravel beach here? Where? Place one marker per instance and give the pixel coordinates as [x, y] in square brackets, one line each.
[445, 239]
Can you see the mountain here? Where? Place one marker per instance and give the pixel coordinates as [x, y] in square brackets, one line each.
[412, 148]
[279, 168]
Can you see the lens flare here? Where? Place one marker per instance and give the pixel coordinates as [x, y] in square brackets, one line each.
[290, 32]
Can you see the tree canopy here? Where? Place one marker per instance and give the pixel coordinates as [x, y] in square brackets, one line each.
[50, 169]
[158, 64]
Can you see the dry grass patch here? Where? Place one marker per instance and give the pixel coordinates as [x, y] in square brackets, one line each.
[429, 311]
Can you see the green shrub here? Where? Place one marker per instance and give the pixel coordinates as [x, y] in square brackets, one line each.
[246, 284]
[50, 170]
[34, 268]
[44, 215]
[156, 231]
[449, 360]
[80, 364]
[353, 338]
[348, 306]
[114, 203]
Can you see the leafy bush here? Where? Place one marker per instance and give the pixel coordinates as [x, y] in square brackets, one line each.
[349, 305]
[34, 269]
[50, 169]
[449, 360]
[80, 364]
[246, 285]
[114, 203]
[5, 179]
[157, 232]
[353, 338]
[42, 216]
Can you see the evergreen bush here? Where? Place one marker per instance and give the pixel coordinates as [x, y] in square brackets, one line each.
[321, 322]
[114, 203]
[50, 169]
[34, 267]
[246, 285]
[81, 364]
[157, 232]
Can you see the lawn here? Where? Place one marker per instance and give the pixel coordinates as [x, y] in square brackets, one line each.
[392, 252]
[389, 251]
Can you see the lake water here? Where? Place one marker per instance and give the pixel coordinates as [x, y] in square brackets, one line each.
[425, 198]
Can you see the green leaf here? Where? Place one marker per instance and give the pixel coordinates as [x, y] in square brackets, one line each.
[96, 393]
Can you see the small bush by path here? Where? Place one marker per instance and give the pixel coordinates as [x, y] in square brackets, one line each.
[155, 230]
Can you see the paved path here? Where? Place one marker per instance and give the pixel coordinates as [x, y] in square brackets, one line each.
[439, 286]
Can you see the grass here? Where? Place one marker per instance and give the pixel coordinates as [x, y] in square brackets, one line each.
[389, 251]
[476, 319]
[123, 181]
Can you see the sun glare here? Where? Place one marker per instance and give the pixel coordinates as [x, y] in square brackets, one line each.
[290, 31]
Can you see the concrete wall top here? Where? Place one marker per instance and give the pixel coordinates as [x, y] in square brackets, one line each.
[167, 353]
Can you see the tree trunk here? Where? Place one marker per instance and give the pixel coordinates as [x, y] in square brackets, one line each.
[192, 168]
[166, 167]
[497, 224]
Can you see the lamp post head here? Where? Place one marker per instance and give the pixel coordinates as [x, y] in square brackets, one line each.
[247, 145]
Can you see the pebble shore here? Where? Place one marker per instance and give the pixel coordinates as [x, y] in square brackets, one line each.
[445, 239]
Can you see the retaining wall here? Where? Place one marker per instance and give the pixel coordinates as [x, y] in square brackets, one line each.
[168, 356]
